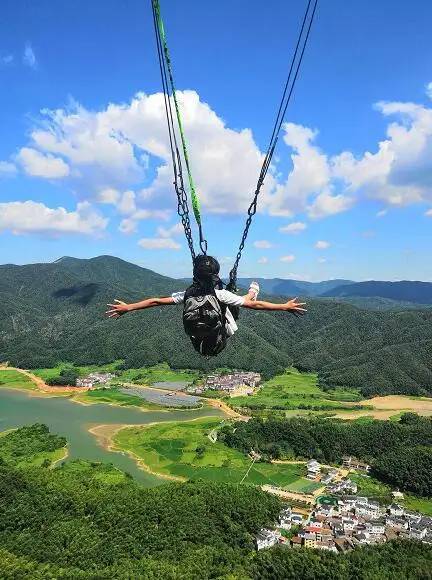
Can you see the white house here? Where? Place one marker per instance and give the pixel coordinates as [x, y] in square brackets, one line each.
[324, 510]
[267, 538]
[285, 519]
[297, 519]
[369, 510]
[397, 523]
[418, 531]
[396, 510]
[377, 527]
[348, 524]
[313, 469]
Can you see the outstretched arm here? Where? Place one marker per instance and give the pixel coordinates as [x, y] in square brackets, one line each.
[291, 306]
[121, 308]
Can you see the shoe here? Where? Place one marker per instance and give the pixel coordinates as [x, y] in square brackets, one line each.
[254, 289]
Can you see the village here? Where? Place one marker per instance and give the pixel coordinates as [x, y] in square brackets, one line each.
[95, 380]
[344, 524]
[341, 520]
[235, 384]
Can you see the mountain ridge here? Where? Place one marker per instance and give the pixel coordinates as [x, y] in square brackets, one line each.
[55, 312]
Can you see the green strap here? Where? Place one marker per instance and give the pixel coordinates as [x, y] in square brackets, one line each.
[194, 197]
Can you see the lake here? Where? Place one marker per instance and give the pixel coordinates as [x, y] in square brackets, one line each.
[73, 421]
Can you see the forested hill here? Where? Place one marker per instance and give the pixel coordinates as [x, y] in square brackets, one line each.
[53, 312]
[375, 295]
[406, 291]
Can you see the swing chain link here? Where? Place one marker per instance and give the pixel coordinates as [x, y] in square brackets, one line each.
[232, 285]
[183, 212]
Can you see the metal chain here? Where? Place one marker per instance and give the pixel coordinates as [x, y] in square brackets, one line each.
[182, 199]
[286, 97]
[168, 81]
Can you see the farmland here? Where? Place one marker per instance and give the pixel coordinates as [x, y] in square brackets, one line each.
[184, 450]
[295, 390]
[15, 380]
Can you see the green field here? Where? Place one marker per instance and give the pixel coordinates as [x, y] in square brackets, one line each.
[371, 487]
[115, 397]
[183, 449]
[157, 374]
[15, 380]
[374, 488]
[24, 458]
[144, 375]
[102, 473]
[295, 390]
[50, 373]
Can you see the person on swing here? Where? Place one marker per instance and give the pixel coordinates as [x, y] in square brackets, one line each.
[209, 311]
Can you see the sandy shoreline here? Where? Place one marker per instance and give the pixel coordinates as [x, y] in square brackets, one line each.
[60, 459]
[105, 437]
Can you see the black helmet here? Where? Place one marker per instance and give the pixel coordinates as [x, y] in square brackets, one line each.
[205, 266]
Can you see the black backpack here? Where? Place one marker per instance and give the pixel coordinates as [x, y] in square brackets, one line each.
[204, 321]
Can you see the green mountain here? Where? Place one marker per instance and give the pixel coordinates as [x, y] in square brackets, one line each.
[406, 290]
[288, 287]
[371, 295]
[55, 312]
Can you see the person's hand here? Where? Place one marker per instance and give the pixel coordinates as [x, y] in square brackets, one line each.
[295, 307]
[118, 309]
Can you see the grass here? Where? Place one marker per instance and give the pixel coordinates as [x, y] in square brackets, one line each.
[183, 449]
[35, 459]
[16, 380]
[371, 487]
[38, 459]
[417, 504]
[295, 390]
[113, 396]
[374, 488]
[145, 375]
[50, 373]
[157, 374]
[104, 473]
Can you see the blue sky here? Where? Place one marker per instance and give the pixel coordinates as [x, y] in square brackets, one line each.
[83, 147]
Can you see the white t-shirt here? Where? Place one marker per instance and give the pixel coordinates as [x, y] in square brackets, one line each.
[224, 296]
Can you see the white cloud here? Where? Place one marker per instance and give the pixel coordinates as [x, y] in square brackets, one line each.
[108, 195]
[429, 90]
[326, 204]
[309, 177]
[39, 165]
[7, 169]
[263, 244]
[6, 59]
[175, 230]
[429, 213]
[322, 260]
[29, 57]
[127, 203]
[299, 277]
[124, 148]
[159, 244]
[30, 217]
[381, 213]
[293, 228]
[322, 245]
[111, 149]
[400, 171]
[289, 258]
[263, 260]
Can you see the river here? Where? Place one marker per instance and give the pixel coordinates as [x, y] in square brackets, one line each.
[73, 421]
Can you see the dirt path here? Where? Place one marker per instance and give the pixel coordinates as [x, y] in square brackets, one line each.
[41, 384]
[219, 404]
